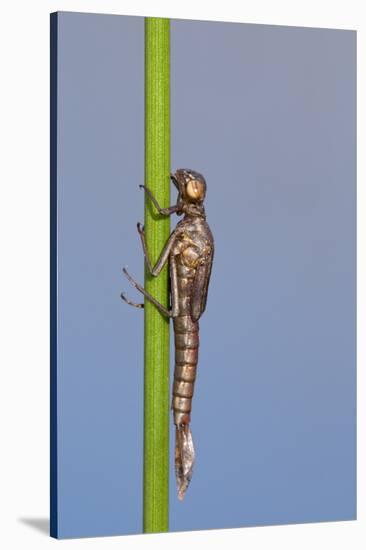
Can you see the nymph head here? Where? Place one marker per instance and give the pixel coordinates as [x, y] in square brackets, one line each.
[190, 184]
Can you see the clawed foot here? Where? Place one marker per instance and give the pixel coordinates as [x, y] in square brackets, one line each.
[131, 279]
[140, 229]
[130, 302]
[145, 189]
[136, 285]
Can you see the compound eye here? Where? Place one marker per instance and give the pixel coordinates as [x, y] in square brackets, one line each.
[195, 190]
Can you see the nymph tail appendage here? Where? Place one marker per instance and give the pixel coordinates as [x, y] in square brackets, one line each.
[184, 458]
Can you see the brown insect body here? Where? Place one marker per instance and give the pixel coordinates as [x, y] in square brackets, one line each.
[189, 251]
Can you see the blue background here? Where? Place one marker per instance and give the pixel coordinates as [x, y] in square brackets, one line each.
[267, 114]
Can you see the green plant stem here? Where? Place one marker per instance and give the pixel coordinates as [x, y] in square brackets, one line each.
[157, 228]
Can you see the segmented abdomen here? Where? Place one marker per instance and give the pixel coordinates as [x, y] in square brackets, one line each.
[186, 337]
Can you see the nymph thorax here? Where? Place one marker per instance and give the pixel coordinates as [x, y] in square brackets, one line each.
[194, 244]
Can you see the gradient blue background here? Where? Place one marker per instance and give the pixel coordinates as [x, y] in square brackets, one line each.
[268, 115]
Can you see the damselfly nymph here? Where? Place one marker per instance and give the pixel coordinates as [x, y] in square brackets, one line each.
[189, 252]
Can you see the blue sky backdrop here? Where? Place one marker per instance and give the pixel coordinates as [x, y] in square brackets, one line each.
[267, 114]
